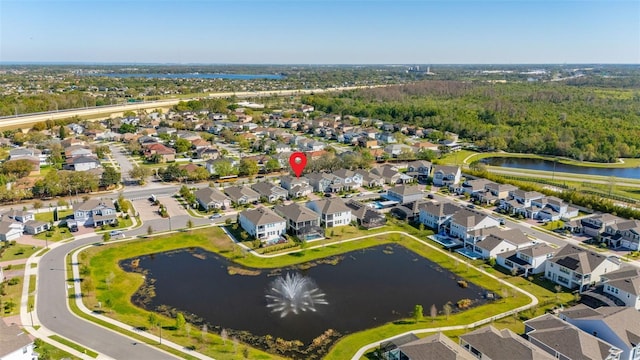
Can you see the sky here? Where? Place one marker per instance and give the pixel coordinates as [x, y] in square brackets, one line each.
[321, 31]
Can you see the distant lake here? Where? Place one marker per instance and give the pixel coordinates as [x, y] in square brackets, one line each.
[548, 165]
[363, 289]
[192, 76]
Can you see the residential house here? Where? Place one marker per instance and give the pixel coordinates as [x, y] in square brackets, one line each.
[625, 233]
[85, 163]
[296, 186]
[567, 342]
[367, 143]
[409, 211]
[520, 202]
[323, 182]
[419, 169]
[391, 175]
[10, 229]
[43, 157]
[405, 194]
[333, 212]
[624, 285]
[33, 227]
[349, 179]
[437, 216]
[446, 175]
[396, 150]
[207, 153]
[20, 215]
[576, 267]
[165, 153]
[597, 224]
[552, 208]
[370, 180]
[465, 221]
[387, 137]
[618, 326]
[472, 187]
[491, 343]
[500, 242]
[16, 344]
[269, 191]
[433, 347]
[301, 221]
[528, 260]
[365, 216]
[262, 223]
[241, 195]
[494, 192]
[94, 212]
[210, 199]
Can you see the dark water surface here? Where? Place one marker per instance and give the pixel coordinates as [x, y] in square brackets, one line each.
[548, 165]
[366, 288]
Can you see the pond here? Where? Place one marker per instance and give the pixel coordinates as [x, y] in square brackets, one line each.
[548, 165]
[355, 291]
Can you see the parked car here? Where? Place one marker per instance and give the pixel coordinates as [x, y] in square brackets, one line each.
[471, 206]
[430, 196]
[215, 216]
[116, 233]
[348, 196]
[73, 228]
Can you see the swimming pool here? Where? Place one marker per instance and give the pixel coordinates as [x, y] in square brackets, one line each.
[468, 253]
[445, 241]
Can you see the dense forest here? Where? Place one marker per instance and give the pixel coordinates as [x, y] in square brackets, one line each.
[577, 121]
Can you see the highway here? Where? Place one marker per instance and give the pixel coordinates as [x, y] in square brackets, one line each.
[26, 119]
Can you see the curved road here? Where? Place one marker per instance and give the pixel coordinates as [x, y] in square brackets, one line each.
[54, 314]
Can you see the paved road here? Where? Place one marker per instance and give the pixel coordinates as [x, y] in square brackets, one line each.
[54, 314]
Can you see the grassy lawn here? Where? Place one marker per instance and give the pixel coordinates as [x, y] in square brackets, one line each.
[48, 216]
[55, 234]
[15, 267]
[11, 301]
[48, 351]
[122, 224]
[74, 346]
[103, 261]
[18, 252]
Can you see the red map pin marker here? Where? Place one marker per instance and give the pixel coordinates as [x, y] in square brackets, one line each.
[298, 161]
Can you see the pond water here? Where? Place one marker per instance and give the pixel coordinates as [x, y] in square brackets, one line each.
[548, 165]
[364, 289]
[192, 76]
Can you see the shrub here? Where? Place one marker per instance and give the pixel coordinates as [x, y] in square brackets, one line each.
[463, 284]
[14, 281]
[464, 303]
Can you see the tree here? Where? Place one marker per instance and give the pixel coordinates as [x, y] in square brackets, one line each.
[153, 320]
[87, 286]
[62, 132]
[446, 309]
[182, 145]
[18, 168]
[106, 236]
[417, 313]
[272, 165]
[123, 204]
[110, 177]
[180, 321]
[149, 230]
[224, 336]
[189, 224]
[37, 205]
[248, 167]
[433, 312]
[139, 173]
[224, 168]
[205, 329]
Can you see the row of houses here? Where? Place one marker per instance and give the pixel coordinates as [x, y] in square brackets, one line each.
[577, 333]
[15, 223]
[306, 220]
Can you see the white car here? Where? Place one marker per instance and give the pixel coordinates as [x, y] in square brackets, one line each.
[215, 216]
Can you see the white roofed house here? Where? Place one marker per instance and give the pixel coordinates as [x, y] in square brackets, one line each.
[466, 221]
[94, 212]
[210, 199]
[575, 267]
[263, 224]
[269, 191]
[301, 221]
[528, 260]
[624, 285]
[501, 241]
[446, 175]
[333, 212]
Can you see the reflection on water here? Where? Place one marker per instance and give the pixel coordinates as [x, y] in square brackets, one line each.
[548, 165]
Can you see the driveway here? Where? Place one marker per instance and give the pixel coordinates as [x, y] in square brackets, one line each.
[119, 155]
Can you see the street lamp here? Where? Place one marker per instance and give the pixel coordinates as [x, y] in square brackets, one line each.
[31, 313]
[169, 222]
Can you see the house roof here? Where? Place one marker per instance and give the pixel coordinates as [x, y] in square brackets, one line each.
[623, 321]
[505, 344]
[441, 209]
[435, 347]
[12, 338]
[514, 236]
[331, 206]
[363, 212]
[626, 279]
[7, 225]
[538, 250]
[419, 163]
[266, 188]
[446, 169]
[567, 339]
[407, 190]
[208, 195]
[92, 204]
[578, 259]
[237, 192]
[468, 218]
[262, 216]
[296, 212]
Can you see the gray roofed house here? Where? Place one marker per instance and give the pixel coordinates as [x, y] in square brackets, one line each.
[10, 229]
[270, 191]
[241, 194]
[390, 174]
[15, 343]
[574, 266]
[365, 216]
[623, 284]
[597, 224]
[530, 259]
[333, 212]
[445, 175]
[20, 215]
[624, 233]
[33, 227]
[565, 341]
[262, 223]
[405, 194]
[434, 347]
[210, 198]
[419, 168]
[465, 221]
[617, 325]
[94, 212]
[300, 219]
[437, 215]
[491, 343]
[501, 241]
[370, 179]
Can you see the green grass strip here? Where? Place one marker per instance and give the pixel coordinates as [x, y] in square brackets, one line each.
[74, 346]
